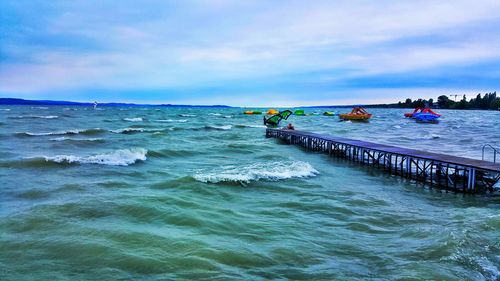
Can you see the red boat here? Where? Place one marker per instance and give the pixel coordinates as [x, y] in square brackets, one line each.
[420, 110]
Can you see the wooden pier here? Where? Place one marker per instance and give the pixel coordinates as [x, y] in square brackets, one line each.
[448, 172]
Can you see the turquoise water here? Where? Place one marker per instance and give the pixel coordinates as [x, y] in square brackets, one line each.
[170, 193]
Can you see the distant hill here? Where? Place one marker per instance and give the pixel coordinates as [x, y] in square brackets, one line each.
[13, 101]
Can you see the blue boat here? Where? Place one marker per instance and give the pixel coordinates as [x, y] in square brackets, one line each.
[426, 117]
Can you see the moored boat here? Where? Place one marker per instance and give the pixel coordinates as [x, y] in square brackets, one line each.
[356, 114]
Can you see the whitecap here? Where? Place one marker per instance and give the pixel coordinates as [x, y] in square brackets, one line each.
[72, 139]
[256, 126]
[68, 132]
[5, 109]
[215, 114]
[258, 171]
[396, 127]
[136, 119]
[223, 128]
[227, 116]
[172, 120]
[34, 117]
[122, 157]
[187, 115]
[128, 130]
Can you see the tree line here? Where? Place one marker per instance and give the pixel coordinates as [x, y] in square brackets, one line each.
[488, 101]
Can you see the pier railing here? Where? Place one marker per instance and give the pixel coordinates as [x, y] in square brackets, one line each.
[449, 172]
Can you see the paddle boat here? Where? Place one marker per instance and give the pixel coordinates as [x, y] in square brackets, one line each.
[299, 112]
[356, 114]
[272, 111]
[423, 115]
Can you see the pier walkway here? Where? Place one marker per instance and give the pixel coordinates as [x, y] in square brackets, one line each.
[449, 172]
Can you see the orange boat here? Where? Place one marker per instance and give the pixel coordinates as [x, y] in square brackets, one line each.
[357, 113]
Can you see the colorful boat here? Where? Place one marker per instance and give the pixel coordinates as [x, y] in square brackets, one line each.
[423, 115]
[272, 111]
[299, 112]
[328, 113]
[356, 114]
[252, 112]
[417, 110]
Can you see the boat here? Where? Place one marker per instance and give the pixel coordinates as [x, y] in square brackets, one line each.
[328, 113]
[423, 115]
[299, 112]
[356, 114]
[275, 120]
[417, 110]
[272, 111]
[252, 112]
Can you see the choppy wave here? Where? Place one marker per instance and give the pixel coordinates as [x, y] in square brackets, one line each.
[5, 109]
[122, 157]
[69, 132]
[136, 119]
[215, 114]
[128, 130]
[77, 140]
[221, 128]
[172, 120]
[249, 126]
[34, 117]
[187, 115]
[259, 171]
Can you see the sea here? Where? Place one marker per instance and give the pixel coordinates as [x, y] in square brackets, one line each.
[171, 193]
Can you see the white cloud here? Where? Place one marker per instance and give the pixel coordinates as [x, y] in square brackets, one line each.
[220, 41]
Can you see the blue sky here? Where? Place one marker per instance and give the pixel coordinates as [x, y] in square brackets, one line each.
[248, 53]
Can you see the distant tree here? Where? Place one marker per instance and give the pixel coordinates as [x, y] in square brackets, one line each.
[463, 103]
[443, 101]
[431, 102]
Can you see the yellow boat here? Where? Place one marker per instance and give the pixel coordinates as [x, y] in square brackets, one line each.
[357, 113]
[272, 111]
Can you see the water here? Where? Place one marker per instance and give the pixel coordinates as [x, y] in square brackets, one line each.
[172, 193]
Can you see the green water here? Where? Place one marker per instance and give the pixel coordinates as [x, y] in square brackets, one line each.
[170, 193]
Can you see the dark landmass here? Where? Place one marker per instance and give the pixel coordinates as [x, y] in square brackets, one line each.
[488, 101]
[13, 101]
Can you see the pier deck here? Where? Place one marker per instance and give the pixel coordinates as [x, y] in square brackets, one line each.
[449, 172]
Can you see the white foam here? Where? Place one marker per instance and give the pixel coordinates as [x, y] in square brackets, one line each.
[5, 109]
[72, 139]
[259, 171]
[122, 157]
[136, 119]
[172, 120]
[69, 132]
[187, 115]
[127, 130]
[396, 127]
[215, 114]
[224, 128]
[35, 117]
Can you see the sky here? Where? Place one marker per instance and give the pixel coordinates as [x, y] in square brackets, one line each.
[248, 52]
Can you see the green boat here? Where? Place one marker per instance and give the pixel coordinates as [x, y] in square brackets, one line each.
[299, 112]
[328, 113]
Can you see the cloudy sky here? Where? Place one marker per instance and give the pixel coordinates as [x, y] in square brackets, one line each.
[248, 53]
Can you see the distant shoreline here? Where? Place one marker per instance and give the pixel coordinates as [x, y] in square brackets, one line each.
[16, 101]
